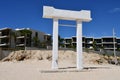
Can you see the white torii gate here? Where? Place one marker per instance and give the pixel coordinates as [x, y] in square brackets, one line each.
[79, 17]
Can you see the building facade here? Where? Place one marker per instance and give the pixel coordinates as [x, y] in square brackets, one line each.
[7, 38]
[106, 43]
[24, 37]
[118, 43]
[28, 37]
[68, 42]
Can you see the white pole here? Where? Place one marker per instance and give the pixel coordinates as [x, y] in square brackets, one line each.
[114, 47]
[55, 44]
[79, 45]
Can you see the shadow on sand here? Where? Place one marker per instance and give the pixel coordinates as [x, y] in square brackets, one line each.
[86, 68]
[72, 69]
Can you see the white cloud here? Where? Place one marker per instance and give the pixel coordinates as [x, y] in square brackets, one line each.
[115, 10]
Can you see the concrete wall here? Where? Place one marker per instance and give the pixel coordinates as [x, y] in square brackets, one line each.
[4, 53]
[40, 35]
[12, 42]
[0, 53]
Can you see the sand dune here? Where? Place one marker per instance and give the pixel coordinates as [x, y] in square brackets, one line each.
[36, 65]
[64, 55]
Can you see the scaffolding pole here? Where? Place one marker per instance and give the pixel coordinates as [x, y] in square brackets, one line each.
[115, 56]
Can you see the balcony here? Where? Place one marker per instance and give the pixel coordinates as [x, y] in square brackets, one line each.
[20, 45]
[83, 41]
[4, 44]
[108, 42]
[118, 43]
[66, 43]
[20, 37]
[98, 43]
[4, 36]
[89, 42]
[109, 48]
[73, 42]
[90, 47]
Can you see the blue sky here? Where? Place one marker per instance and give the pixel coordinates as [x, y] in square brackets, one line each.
[28, 13]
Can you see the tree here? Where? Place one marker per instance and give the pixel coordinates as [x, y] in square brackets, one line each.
[60, 41]
[94, 45]
[36, 41]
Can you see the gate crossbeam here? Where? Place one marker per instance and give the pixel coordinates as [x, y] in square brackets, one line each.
[67, 25]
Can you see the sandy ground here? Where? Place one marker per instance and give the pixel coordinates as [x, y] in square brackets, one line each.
[41, 70]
